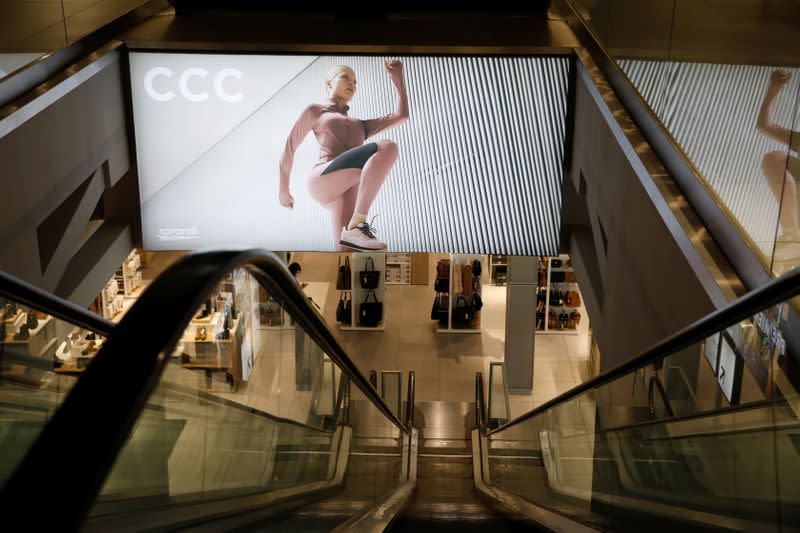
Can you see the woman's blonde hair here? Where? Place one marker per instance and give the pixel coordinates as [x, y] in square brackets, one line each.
[335, 71]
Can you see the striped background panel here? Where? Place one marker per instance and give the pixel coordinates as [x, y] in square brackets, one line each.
[711, 112]
[480, 163]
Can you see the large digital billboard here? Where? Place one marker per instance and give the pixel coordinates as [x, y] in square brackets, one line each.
[323, 153]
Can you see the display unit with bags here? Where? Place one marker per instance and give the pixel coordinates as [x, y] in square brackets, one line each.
[559, 304]
[344, 284]
[361, 308]
[459, 294]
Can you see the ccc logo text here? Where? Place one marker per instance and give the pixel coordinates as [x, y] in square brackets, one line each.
[194, 93]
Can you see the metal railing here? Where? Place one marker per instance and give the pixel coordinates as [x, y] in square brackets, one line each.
[778, 290]
[104, 405]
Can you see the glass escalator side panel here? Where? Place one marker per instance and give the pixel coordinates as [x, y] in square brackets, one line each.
[706, 436]
[41, 358]
[249, 403]
[233, 411]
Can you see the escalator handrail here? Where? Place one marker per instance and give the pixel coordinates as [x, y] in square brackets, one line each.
[99, 414]
[22, 292]
[776, 291]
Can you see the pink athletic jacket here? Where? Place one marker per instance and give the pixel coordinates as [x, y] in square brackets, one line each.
[336, 132]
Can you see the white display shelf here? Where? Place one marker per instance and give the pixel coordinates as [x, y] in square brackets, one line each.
[441, 329]
[136, 292]
[493, 265]
[358, 262]
[127, 303]
[583, 326]
[461, 259]
[379, 327]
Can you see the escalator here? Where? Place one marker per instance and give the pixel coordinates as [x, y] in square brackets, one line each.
[713, 450]
[37, 368]
[195, 415]
[206, 419]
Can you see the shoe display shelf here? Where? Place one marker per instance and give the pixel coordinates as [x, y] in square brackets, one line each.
[211, 353]
[461, 260]
[498, 269]
[76, 354]
[114, 303]
[358, 294]
[41, 341]
[547, 302]
[398, 269]
[131, 276]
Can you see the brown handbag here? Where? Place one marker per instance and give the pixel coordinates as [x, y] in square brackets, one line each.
[572, 299]
[466, 280]
[574, 319]
[570, 278]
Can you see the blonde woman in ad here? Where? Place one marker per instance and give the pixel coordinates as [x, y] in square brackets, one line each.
[350, 172]
[782, 170]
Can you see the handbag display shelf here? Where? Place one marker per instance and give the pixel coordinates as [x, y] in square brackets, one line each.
[460, 294]
[559, 304]
[366, 262]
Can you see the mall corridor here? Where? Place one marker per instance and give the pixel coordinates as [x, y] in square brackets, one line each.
[409, 268]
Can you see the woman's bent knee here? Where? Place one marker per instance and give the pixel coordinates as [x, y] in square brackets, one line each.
[389, 147]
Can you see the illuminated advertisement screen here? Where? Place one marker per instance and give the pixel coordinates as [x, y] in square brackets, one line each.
[323, 153]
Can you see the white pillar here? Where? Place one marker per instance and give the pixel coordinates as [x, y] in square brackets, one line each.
[520, 323]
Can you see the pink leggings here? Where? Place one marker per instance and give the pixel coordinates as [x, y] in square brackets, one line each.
[347, 191]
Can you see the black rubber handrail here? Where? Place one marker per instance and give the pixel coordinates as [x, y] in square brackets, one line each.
[776, 291]
[480, 403]
[410, 392]
[22, 292]
[100, 412]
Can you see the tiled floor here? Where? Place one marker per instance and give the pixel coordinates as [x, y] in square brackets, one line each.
[446, 364]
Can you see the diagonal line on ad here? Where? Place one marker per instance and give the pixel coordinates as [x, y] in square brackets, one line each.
[226, 135]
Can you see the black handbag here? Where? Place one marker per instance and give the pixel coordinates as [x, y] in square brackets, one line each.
[477, 301]
[462, 312]
[444, 312]
[435, 308]
[558, 277]
[347, 317]
[442, 284]
[344, 277]
[555, 263]
[340, 309]
[369, 277]
[370, 313]
[476, 268]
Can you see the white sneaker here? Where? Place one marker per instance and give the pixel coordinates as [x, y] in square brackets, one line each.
[362, 237]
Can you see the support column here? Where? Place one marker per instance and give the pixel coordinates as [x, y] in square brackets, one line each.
[520, 323]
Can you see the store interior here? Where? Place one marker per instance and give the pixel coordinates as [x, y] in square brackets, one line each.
[441, 315]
